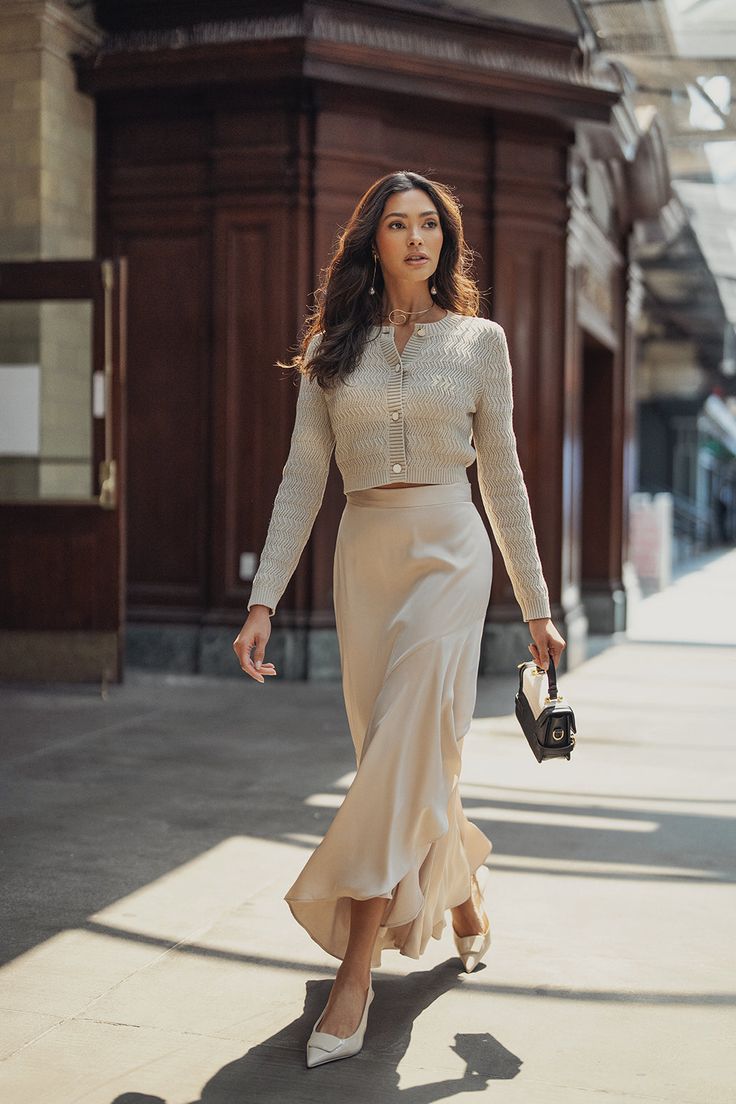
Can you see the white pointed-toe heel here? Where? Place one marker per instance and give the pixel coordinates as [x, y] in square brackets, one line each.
[323, 1047]
[472, 948]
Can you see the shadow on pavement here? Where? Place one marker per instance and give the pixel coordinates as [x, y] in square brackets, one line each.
[275, 1070]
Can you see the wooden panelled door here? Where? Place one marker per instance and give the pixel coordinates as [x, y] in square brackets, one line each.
[62, 470]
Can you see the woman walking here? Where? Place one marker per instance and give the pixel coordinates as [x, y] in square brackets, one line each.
[397, 372]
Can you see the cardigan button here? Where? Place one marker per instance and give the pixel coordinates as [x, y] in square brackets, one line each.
[397, 467]
[395, 415]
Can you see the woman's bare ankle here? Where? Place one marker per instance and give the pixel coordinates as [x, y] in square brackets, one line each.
[466, 920]
[351, 973]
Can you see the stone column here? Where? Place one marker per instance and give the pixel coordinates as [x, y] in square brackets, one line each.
[47, 169]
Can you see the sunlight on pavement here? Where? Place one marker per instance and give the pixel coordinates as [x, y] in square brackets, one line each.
[521, 816]
[699, 607]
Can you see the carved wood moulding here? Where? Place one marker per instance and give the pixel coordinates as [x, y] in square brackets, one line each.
[338, 36]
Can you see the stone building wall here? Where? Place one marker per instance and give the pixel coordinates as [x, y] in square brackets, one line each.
[47, 174]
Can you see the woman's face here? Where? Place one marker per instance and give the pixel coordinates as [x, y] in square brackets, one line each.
[409, 224]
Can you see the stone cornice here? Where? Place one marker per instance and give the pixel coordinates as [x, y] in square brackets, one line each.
[54, 14]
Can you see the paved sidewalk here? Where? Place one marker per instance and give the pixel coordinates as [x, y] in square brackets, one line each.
[147, 840]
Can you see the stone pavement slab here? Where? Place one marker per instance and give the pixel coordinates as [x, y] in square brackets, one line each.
[147, 841]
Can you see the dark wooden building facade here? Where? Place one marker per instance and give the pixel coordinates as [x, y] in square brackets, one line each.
[228, 155]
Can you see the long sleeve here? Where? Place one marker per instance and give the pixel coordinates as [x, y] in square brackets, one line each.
[501, 480]
[298, 497]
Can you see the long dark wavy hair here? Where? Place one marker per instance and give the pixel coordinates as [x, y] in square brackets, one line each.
[344, 310]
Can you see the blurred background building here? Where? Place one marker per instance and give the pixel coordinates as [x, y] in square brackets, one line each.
[174, 176]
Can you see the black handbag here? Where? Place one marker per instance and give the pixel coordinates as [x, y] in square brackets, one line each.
[546, 720]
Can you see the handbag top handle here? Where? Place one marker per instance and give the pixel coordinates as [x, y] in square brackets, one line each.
[552, 677]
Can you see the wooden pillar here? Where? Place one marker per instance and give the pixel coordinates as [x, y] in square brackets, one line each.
[597, 375]
[528, 299]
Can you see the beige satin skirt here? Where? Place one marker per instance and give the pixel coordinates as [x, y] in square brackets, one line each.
[412, 582]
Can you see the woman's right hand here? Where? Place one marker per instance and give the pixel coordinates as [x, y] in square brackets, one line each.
[254, 633]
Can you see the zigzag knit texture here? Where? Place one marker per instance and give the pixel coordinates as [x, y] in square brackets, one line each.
[409, 417]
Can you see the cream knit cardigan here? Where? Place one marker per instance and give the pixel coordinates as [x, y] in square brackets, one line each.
[409, 418]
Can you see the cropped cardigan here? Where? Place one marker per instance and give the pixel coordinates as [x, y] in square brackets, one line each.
[409, 417]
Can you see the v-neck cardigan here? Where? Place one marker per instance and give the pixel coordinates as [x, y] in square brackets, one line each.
[409, 417]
